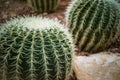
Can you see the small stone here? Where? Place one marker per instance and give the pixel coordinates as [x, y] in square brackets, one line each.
[7, 2]
[4, 15]
[13, 14]
[45, 13]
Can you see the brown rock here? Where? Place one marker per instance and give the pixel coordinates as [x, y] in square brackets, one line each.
[101, 66]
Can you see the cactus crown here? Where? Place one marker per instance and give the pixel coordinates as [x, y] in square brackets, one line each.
[44, 5]
[95, 24]
[33, 48]
[36, 23]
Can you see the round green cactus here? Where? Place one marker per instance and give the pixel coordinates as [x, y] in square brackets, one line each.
[35, 48]
[93, 23]
[44, 5]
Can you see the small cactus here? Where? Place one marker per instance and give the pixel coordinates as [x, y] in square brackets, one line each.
[44, 5]
[35, 48]
[93, 23]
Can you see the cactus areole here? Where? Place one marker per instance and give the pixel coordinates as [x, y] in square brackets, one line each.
[35, 48]
[43, 5]
[93, 23]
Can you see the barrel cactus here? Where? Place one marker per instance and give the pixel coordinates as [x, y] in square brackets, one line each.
[35, 48]
[93, 23]
[43, 5]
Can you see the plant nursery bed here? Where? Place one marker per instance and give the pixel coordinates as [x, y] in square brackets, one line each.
[14, 8]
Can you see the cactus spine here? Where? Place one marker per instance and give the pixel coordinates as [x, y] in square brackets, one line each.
[33, 48]
[93, 23]
[44, 5]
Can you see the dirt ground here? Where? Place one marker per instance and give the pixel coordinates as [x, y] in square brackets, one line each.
[12, 8]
